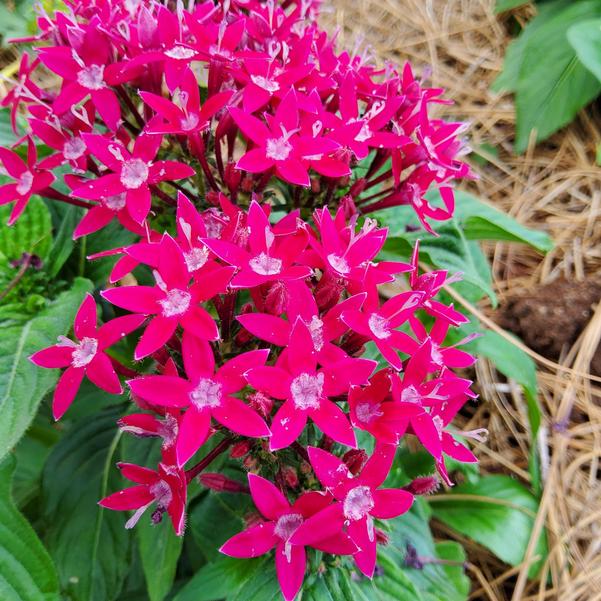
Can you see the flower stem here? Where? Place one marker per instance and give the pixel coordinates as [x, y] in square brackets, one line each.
[208, 458]
[24, 265]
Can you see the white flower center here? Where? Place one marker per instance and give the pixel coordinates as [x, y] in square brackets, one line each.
[115, 202]
[358, 503]
[25, 182]
[92, 77]
[161, 491]
[207, 394]
[196, 258]
[306, 390]
[74, 148]
[436, 355]
[176, 302]
[180, 53]
[287, 525]
[379, 326]
[411, 395]
[267, 84]
[189, 122]
[367, 412]
[278, 149]
[316, 330]
[339, 263]
[134, 173]
[263, 264]
[84, 352]
[364, 133]
[438, 424]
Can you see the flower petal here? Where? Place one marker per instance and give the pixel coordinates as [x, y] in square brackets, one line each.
[252, 542]
[237, 416]
[268, 499]
[66, 389]
[290, 565]
[390, 503]
[193, 432]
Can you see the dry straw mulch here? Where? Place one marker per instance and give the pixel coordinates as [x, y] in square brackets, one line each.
[555, 187]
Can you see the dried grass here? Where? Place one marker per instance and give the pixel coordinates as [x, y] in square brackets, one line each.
[555, 186]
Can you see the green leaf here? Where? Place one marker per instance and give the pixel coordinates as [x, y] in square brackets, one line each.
[7, 135]
[515, 364]
[65, 218]
[89, 544]
[433, 582]
[26, 570]
[502, 6]
[223, 578]
[497, 512]
[32, 233]
[585, 38]
[481, 221]
[22, 384]
[452, 251]
[553, 85]
[507, 81]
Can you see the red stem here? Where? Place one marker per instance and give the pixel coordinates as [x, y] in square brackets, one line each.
[208, 459]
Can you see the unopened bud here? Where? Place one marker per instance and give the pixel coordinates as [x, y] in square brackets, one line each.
[213, 198]
[348, 206]
[247, 184]
[327, 292]
[424, 485]
[249, 463]
[355, 460]
[315, 185]
[357, 187]
[232, 177]
[305, 467]
[381, 537]
[353, 344]
[290, 476]
[221, 483]
[240, 449]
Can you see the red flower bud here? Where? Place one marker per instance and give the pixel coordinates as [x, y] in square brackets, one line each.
[327, 292]
[221, 483]
[355, 460]
[276, 299]
[240, 449]
[424, 485]
[381, 537]
[260, 402]
[290, 476]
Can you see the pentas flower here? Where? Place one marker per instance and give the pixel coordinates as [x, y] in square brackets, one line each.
[187, 117]
[206, 393]
[279, 146]
[173, 300]
[165, 488]
[132, 173]
[305, 390]
[270, 257]
[379, 324]
[282, 520]
[29, 179]
[86, 356]
[84, 70]
[358, 501]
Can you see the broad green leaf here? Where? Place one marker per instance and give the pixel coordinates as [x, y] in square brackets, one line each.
[26, 570]
[553, 85]
[32, 233]
[65, 219]
[515, 364]
[452, 251]
[514, 55]
[504, 5]
[481, 221]
[498, 512]
[433, 581]
[223, 578]
[89, 544]
[22, 384]
[585, 38]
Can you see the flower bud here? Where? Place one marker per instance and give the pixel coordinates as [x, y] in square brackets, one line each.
[240, 449]
[381, 537]
[327, 292]
[424, 485]
[232, 177]
[290, 476]
[276, 300]
[355, 460]
[221, 483]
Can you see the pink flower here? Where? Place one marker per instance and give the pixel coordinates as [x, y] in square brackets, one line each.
[87, 356]
[29, 179]
[359, 501]
[206, 393]
[173, 301]
[379, 325]
[165, 487]
[188, 117]
[83, 68]
[305, 390]
[132, 174]
[270, 257]
[282, 520]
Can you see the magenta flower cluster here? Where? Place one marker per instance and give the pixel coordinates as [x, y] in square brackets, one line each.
[228, 136]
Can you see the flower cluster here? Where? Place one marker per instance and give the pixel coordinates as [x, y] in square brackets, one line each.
[245, 154]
